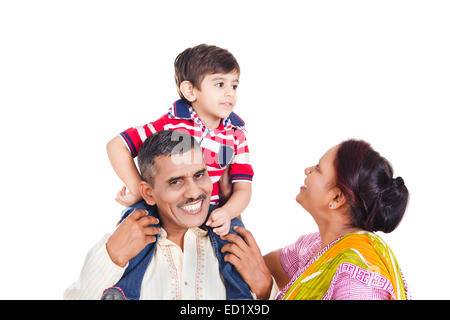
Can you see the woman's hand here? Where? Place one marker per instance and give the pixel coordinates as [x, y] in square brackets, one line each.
[245, 255]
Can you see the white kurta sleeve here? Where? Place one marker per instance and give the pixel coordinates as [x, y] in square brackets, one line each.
[98, 273]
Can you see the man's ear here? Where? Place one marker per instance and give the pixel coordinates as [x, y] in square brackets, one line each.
[146, 191]
[337, 198]
[188, 90]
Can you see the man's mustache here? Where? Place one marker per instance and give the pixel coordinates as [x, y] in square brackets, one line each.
[190, 200]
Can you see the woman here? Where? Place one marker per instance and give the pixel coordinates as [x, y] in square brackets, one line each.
[350, 193]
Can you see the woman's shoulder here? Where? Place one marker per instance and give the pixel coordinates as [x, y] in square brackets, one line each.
[294, 257]
[309, 239]
[304, 243]
[302, 248]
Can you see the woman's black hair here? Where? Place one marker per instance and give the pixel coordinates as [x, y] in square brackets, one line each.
[377, 200]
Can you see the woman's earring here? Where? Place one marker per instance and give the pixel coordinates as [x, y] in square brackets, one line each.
[331, 206]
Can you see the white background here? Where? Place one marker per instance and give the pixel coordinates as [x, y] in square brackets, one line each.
[73, 74]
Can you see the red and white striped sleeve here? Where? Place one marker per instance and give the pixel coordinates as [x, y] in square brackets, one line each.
[240, 167]
[134, 137]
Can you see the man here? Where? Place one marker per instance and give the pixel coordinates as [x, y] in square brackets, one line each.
[179, 260]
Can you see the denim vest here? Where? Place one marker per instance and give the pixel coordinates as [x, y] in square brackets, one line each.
[129, 286]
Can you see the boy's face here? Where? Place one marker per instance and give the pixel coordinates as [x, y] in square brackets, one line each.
[216, 98]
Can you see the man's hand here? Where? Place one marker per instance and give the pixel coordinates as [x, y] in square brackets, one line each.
[245, 255]
[127, 199]
[131, 236]
[220, 221]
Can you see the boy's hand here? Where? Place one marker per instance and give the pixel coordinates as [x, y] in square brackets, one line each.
[127, 199]
[220, 221]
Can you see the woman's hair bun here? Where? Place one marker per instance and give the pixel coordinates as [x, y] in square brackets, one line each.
[387, 213]
[398, 182]
[392, 193]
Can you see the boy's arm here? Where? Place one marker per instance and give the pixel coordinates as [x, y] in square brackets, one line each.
[220, 218]
[124, 166]
[241, 174]
[239, 199]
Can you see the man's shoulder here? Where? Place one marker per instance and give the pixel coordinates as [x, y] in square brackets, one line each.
[141, 205]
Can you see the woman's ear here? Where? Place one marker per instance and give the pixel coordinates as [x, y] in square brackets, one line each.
[146, 191]
[188, 91]
[337, 198]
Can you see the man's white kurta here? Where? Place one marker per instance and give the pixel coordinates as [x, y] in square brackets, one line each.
[172, 273]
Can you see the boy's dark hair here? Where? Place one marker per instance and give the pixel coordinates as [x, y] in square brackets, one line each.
[162, 143]
[194, 63]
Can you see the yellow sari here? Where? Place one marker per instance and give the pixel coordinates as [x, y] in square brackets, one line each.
[364, 255]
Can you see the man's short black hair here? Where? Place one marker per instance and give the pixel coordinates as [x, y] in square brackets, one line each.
[162, 143]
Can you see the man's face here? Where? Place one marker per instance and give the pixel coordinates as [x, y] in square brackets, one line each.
[216, 97]
[181, 190]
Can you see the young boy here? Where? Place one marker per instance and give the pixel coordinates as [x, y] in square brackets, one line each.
[207, 78]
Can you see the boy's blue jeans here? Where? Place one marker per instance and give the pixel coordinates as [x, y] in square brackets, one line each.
[131, 281]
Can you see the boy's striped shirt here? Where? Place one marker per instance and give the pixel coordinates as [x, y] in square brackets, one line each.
[223, 146]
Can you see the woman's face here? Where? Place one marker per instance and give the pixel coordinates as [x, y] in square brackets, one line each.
[319, 188]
